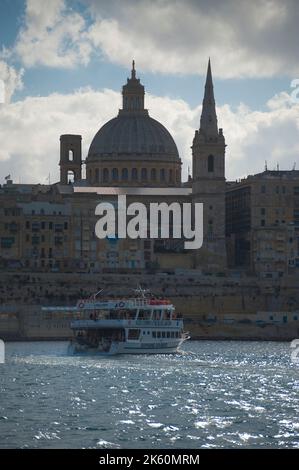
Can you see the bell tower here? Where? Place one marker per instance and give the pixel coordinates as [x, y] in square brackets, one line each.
[70, 158]
[208, 182]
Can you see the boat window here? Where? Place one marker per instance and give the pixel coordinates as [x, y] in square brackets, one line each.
[133, 333]
[144, 314]
[172, 334]
[163, 334]
[158, 334]
[154, 334]
[156, 314]
[168, 334]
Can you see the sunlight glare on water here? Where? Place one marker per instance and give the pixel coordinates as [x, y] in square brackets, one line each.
[213, 394]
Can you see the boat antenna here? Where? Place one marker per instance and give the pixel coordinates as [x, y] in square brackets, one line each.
[93, 296]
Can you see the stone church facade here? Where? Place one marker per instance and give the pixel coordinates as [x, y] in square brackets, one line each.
[51, 227]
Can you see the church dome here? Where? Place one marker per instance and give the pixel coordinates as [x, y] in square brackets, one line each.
[133, 133]
[133, 148]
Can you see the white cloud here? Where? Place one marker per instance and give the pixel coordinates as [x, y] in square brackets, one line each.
[30, 130]
[252, 39]
[12, 80]
[245, 39]
[53, 36]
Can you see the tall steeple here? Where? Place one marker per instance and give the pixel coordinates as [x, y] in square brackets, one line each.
[133, 94]
[208, 120]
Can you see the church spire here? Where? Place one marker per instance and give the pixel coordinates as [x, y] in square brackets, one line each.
[208, 120]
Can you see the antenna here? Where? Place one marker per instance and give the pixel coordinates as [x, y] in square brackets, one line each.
[266, 165]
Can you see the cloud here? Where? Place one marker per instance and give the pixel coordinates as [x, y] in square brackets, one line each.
[11, 80]
[244, 39]
[52, 36]
[30, 130]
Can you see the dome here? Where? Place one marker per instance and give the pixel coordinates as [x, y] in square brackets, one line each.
[133, 133]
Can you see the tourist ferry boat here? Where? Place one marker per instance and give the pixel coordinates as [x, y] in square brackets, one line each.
[142, 324]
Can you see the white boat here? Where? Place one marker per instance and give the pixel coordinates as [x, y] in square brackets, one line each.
[137, 325]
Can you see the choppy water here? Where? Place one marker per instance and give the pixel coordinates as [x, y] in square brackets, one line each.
[215, 394]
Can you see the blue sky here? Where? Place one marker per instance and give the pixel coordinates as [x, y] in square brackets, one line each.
[81, 50]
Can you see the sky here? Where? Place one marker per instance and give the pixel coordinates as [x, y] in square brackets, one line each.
[63, 64]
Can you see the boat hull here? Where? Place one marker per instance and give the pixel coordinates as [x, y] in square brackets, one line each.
[126, 348]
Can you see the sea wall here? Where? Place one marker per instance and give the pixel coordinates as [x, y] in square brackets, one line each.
[213, 307]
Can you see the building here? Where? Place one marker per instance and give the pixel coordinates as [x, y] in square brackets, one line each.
[52, 227]
[262, 223]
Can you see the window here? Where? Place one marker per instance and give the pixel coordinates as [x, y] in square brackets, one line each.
[210, 163]
[134, 174]
[65, 225]
[115, 174]
[263, 211]
[27, 225]
[43, 225]
[105, 175]
[133, 334]
[153, 174]
[124, 174]
[210, 228]
[263, 223]
[144, 174]
[170, 176]
[50, 225]
[263, 189]
[162, 174]
[97, 175]
[71, 155]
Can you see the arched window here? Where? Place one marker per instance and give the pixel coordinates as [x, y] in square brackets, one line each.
[162, 174]
[170, 176]
[124, 174]
[153, 174]
[143, 173]
[70, 176]
[71, 155]
[210, 163]
[134, 174]
[115, 174]
[105, 175]
[97, 175]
